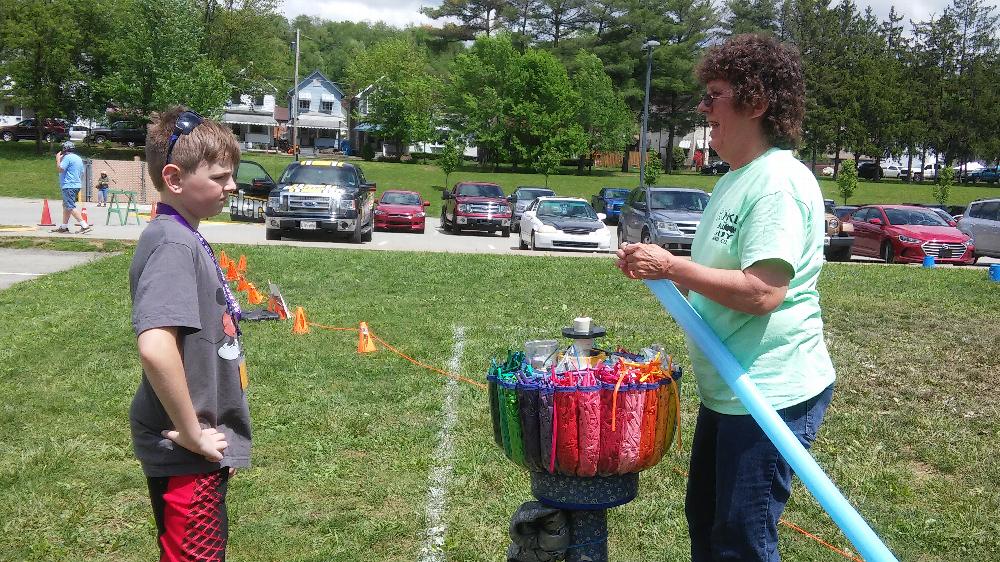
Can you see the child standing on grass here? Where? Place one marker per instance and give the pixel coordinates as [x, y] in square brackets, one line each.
[189, 418]
[102, 190]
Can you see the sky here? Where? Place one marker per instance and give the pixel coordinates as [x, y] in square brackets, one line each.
[403, 12]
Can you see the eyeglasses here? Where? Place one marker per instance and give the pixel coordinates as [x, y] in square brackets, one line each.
[186, 122]
[709, 99]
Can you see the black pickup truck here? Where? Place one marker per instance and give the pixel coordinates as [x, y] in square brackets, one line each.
[131, 133]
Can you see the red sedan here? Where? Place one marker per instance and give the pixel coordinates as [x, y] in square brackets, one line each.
[401, 210]
[906, 234]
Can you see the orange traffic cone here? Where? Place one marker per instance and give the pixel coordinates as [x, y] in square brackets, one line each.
[46, 216]
[223, 259]
[301, 326]
[365, 342]
[242, 284]
[231, 273]
[254, 296]
[241, 266]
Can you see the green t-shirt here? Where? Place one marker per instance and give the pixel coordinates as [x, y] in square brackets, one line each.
[769, 209]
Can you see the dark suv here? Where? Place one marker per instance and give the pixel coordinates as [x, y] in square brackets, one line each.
[53, 131]
[475, 206]
[869, 171]
[131, 133]
[324, 196]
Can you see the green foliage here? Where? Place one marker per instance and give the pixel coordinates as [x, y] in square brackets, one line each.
[605, 117]
[679, 157]
[942, 184]
[368, 152]
[547, 162]
[451, 157]
[847, 179]
[404, 95]
[654, 167]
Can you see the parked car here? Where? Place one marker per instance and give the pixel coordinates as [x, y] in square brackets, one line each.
[715, 168]
[906, 234]
[401, 210]
[521, 198]
[52, 131]
[986, 175]
[869, 171]
[914, 171]
[321, 196]
[563, 223]
[981, 222]
[666, 216]
[609, 201]
[475, 206]
[891, 170]
[929, 172]
[78, 132]
[130, 133]
[842, 212]
[839, 238]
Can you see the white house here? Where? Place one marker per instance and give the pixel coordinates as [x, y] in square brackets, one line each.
[252, 118]
[317, 112]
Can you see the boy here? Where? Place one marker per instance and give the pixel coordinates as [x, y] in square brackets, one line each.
[190, 420]
[70, 167]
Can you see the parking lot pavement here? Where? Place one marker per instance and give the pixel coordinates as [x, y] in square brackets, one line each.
[22, 265]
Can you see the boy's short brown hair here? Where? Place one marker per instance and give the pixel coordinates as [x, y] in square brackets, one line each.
[209, 142]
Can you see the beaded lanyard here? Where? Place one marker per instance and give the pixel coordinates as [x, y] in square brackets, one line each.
[232, 305]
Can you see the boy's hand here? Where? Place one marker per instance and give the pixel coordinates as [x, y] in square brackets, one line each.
[209, 443]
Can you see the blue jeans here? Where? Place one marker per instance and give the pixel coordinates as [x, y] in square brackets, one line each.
[739, 483]
[69, 196]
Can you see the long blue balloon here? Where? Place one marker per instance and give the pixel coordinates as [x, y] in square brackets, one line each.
[872, 549]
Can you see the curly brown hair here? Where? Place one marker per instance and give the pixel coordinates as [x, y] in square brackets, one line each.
[760, 68]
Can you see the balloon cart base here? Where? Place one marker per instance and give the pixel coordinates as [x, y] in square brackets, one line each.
[586, 502]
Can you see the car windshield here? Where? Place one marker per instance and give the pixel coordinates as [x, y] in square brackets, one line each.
[616, 193]
[678, 200]
[914, 217]
[532, 194]
[325, 175]
[567, 209]
[390, 198]
[479, 190]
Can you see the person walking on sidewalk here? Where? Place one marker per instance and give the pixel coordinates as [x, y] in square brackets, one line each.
[70, 167]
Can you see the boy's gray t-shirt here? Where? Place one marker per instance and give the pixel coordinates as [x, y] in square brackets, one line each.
[174, 282]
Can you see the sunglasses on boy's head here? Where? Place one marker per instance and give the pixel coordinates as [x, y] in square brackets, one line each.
[186, 122]
[709, 99]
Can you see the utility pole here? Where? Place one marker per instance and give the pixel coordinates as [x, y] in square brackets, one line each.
[295, 100]
[648, 46]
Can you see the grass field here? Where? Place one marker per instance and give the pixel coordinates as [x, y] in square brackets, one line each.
[344, 443]
[25, 174]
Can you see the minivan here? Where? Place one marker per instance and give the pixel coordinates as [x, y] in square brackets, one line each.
[981, 221]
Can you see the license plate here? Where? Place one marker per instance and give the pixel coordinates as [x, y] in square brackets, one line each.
[945, 253]
[307, 225]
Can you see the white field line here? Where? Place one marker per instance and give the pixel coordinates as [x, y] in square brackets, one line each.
[24, 274]
[440, 474]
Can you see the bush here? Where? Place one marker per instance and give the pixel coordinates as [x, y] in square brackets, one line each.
[847, 179]
[368, 152]
[942, 185]
[679, 158]
[653, 167]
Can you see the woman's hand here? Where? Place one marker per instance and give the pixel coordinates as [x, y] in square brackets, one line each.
[645, 261]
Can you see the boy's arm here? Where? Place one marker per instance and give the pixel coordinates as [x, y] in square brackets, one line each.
[159, 351]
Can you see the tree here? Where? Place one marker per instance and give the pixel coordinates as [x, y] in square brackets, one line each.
[475, 17]
[404, 95]
[750, 16]
[556, 19]
[653, 168]
[156, 60]
[547, 161]
[451, 157]
[249, 61]
[942, 185]
[605, 117]
[37, 57]
[847, 180]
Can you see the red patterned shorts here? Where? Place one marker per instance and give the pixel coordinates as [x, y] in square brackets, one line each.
[190, 512]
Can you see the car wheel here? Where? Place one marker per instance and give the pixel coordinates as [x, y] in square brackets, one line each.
[49, 137]
[645, 239]
[888, 254]
[8, 136]
[130, 144]
[100, 139]
[521, 243]
[621, 234]
[366, 236]
[515, 226]
[272, 234]
[444, 222]
[534, 247]
[455, 228]
[505, 232]
[715, 171]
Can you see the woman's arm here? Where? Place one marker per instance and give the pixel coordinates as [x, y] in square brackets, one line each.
[758, 289]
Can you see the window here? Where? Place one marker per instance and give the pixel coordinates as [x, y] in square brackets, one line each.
[237, 99]
[304, 105]
[258, 100]
[326, 106]
[990, 211]
[257, 129]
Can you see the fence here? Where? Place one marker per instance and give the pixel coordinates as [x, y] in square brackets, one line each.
[128, 175]
[614, 159]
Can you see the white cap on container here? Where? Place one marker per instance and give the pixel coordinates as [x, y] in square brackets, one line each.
[581, 325]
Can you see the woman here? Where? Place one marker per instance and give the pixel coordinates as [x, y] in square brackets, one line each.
[755, 261]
